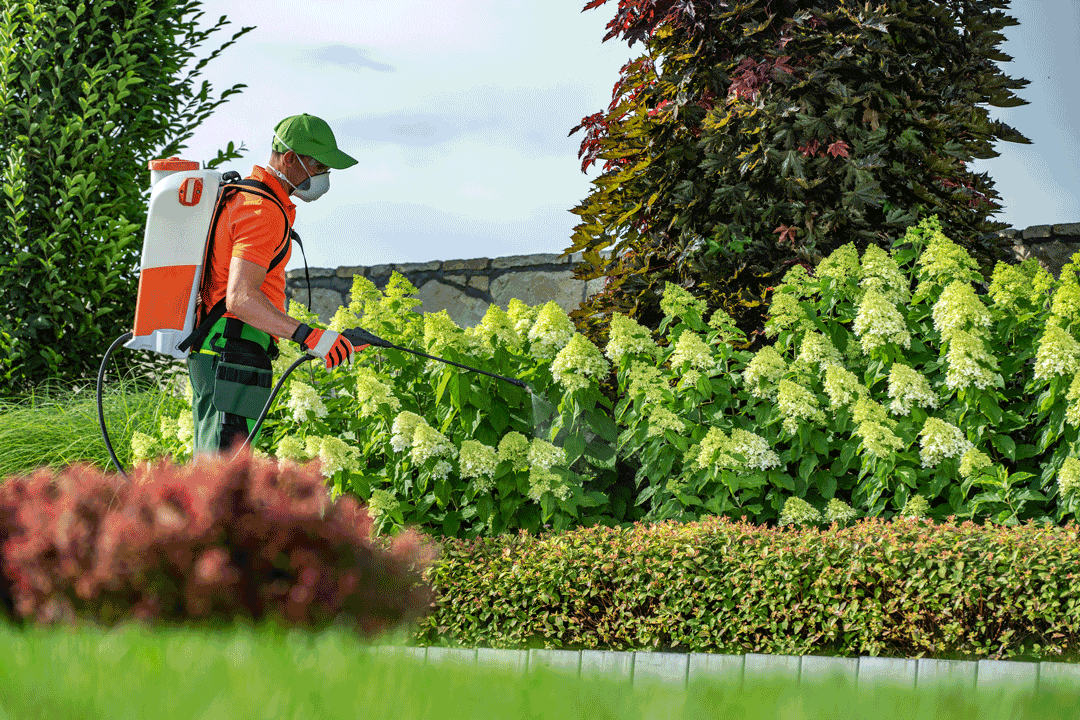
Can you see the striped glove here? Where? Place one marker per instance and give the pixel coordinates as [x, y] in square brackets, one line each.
[333, 347]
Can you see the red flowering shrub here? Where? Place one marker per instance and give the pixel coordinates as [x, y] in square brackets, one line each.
[210, 541]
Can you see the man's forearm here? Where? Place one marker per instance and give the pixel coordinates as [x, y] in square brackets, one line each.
[256, 310]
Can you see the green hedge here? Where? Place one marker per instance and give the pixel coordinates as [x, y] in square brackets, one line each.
[906, 587]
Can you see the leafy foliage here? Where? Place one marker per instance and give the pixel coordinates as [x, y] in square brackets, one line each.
[213, 541]
[755, 134]
[91, 92]
[906, 588]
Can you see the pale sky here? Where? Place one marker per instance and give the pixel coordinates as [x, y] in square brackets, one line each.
[458, 113]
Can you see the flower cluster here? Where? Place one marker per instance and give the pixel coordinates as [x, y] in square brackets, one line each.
[942, 261]
[881, 273]
[1068, 478]
[939, 440]
[335, 455]
[648, 384]
[142, 446]
[959, 308]
[661, 420]
[724, 324]
[381, 503]
[371, 393]
[969, 362]
[497, 327]
[676, 301]
[1065, 307]
[763, 372]
[514, 449]
[718, 449]
[842, 387]
[974, 462]
[915, 506]
[1028, 281]
[877, 322]
[427, 442]
[542, 480]
[544, 455]
[441, 333]
[908, 389]
[785, 313]
[841, 266]
[402, 430]
[577, 363]
[627, 337]
[816, 352]
[838, 511]
[797, 511]
[1072, 413]
[875, 429]
[521, 316]
[551, 332]
[796, 403]
[691, 350]
[1058, 353]
[304, 399]
[477, 460]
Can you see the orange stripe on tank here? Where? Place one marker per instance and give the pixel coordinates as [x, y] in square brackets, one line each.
[164, 293]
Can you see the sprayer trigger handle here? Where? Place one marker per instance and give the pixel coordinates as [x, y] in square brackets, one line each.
[360, 336]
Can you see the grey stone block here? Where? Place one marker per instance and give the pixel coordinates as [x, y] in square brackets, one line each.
[349, 271]
[1067, 229]
[518, 261]
[878, 671]
[706, 665]
[825, 669]
[517, 660]
[568, 661]
[480, 282]
[380, 270]
[932, 673]
[463, 309]
[459, 265]
[465, 656]
[608, 662]
[661, 667]
[319, 272]
[411, 268]
[537, 288]
[1037, 231]
[1008, 677]
[766, 667]
[324, 301]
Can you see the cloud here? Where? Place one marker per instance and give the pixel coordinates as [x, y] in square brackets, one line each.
[345, 55]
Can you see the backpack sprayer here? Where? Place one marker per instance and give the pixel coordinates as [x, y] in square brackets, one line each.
[179, 219]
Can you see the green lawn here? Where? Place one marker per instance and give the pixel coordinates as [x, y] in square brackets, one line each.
[132, 672]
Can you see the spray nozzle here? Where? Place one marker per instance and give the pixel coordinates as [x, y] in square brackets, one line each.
[360, 336]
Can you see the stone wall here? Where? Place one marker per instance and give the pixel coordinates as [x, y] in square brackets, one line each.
[465, 288]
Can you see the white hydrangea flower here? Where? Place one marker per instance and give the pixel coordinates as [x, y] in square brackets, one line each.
[763, 372]
[371, 393]
[842, 387]
[797, 403]
[514, 449]
[627, 337]
[838, 511]
[1068, 477]
[881, 273]
[185, 431]
[498, 327]
[969, 362]
[1058, 353]
[710, 451]
[908, 389]
[576, 363]
[168, 426]
[334, 453]
[542, 480]
[662, 419]
[441, 333]
[522, 316]
[692, 350]
[973, 461]
[477, 460]
[441, 470]
[942, 261]
[841, 265]
[797, 511]
[676, 301]
[401, 432]
[878, 439]
[722, 322]
[785, 313]
[551, 331]
[753, 447]
[427, 442]
[939, 440]
[877, 322]
[142, 446]
[1072, 414]
[381, 503]
[647, 381]
[1028, 281]
[959, 308]
[544, 455]
[303, 399]
[1065, 306]
[817, 351]
[915, 506]
[291, 448]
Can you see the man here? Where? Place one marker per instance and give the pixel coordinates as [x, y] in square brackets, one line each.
[230, 369]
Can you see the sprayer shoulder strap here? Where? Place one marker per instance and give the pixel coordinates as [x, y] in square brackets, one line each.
[228, 189]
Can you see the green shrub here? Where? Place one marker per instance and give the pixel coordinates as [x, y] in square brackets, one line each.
[427, 444]
[891, 378]
[906, 587]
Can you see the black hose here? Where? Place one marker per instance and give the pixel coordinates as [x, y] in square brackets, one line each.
[101, 409]
[270, 400]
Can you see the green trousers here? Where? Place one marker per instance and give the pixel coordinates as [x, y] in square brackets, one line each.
[231, 381]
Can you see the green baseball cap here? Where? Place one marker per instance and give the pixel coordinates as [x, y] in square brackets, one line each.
[308, 135]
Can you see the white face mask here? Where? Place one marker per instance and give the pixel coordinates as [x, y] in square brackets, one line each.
[311, 189]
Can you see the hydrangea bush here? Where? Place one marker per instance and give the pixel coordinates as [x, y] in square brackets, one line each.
[897, 383]
[426, 444]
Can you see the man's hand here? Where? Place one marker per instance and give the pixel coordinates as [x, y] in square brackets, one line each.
[333, 347]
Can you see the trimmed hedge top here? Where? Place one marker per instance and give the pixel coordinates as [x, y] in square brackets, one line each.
[906, 587]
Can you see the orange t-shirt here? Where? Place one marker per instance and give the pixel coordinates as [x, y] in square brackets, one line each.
[251, 227]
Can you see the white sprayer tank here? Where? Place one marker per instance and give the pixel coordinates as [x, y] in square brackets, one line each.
[182, 199]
